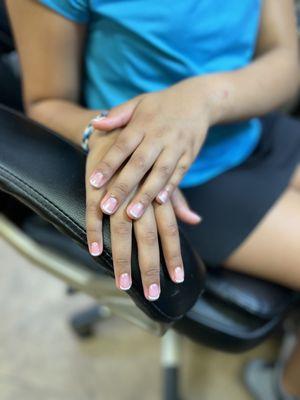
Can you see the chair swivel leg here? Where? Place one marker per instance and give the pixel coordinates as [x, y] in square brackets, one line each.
[170, 362]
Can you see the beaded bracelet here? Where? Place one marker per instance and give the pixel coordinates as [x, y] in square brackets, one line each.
[90, 129]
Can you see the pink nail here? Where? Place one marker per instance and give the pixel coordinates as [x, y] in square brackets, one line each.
[179, 274]
[154, 292]
[95, 249]
[163, 196]
[97, 179]
[99, 118]
[125, 281]
[136, 210]
[109, 205]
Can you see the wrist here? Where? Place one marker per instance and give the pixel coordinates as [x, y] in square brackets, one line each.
[212, 94]
[218, 91]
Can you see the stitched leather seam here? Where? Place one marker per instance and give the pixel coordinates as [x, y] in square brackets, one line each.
[106, 254]
[68, 218]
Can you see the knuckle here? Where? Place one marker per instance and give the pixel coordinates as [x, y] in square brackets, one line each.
[159, 133]
[122, 146]
[147, 197]
[92, 230]
[165, 170]
[121, 228]
[181, 134]
[148, 115]
[139, 161]
[151, 273]
[121, 263]
[174, 260]
[105, 167]
[171, 230]
[120, 188]
[149, 237]
[92, 206]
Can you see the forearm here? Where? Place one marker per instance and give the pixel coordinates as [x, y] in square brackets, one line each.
[264, 85]
[64, 117]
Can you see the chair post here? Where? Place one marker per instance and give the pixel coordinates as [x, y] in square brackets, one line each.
[170, 363]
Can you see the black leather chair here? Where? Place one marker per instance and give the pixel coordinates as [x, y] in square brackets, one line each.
[42, 216]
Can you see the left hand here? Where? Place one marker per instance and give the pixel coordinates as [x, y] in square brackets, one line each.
[163, 132]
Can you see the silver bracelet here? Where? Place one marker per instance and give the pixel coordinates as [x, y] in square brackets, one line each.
[90, 129]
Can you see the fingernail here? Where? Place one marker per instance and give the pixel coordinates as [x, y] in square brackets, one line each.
[95, 249]
[109, 205]
[163, 196]
[97, 179]
[125, 281]
[179, 274]
[136, 210]
[99, 117]
[154, 292]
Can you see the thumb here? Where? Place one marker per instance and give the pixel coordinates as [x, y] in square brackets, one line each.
[118, 116]
[182, 209]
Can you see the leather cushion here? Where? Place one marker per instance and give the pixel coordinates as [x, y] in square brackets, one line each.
[46, 173]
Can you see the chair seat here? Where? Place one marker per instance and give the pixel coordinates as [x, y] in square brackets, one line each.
[235, 313]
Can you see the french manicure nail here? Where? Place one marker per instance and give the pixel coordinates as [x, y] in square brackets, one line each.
[95, 249]
[154, 292]
[109, 205]
[136, 210]
[163, 196]
[125, 281]
[97, 179]
[179, 274]
[99, 118]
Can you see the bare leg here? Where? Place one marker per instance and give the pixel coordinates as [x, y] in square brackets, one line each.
[295, 182]
[272, 252]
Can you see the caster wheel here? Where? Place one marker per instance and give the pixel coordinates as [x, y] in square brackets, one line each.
[83, 324]
[83, 331]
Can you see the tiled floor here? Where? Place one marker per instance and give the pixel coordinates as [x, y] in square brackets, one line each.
[40, 358]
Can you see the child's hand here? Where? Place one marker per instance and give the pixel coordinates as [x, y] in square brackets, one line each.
[157, 221]
[100, 143]
[163, 132]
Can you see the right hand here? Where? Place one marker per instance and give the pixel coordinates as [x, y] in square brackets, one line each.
[159, 220]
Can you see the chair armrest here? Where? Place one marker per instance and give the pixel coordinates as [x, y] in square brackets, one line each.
[46, 173]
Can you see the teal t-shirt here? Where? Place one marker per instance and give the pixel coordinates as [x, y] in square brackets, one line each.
[139, 46]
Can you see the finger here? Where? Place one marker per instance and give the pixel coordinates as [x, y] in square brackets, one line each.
[148, 254]
[118, 116]
[154, 183]
[169, 236]
[94, 223]
[132, 173]
[182, 209]
[180, 170]
[123, 147]
[121, 240]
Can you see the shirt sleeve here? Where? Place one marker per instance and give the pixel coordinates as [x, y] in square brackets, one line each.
[75, 10]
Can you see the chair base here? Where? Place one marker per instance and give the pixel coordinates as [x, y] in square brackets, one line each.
[84, 323]
[171, 344]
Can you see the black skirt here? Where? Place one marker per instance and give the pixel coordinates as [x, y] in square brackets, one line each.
[233, 203]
